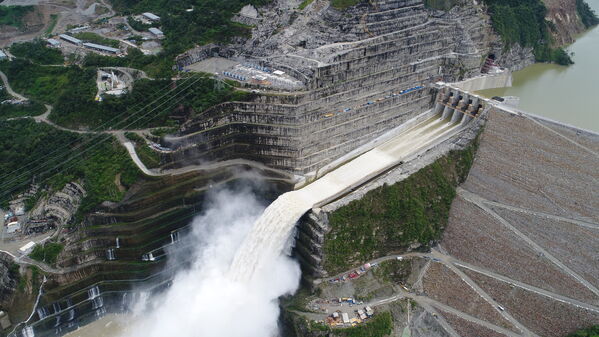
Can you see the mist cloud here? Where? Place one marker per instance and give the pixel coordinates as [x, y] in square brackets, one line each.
[204, 300]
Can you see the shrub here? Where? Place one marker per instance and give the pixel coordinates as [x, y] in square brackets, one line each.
[38, 52]
[587, 15]
[47, 253]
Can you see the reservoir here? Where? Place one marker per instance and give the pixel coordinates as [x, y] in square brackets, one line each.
[565, 94]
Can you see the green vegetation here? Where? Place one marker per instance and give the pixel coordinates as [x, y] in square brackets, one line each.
[379, 326]
[159, 66]
[390, 218]
[21, 110]
[395, 271]
[161, 132]
[587, 15]
[138, 25]
[589, 332]
[48, 84]
[52, 24]
[343, 4]
[47, 253]
[148, 156]
[523, 22]
[71, 90]
[95, 38]
[96, 160]
[13, 272]
[37, 51]
[18, 110]
[304, 4]
[13, 15]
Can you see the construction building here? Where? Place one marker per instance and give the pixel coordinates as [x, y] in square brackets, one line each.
[70, 39]
[150, 16]
[101, 48]
[157, 32]
[53, 43]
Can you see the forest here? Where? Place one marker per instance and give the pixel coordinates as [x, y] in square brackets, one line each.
[38, 152]
[152, 103]
[523, 22]
[38, 52]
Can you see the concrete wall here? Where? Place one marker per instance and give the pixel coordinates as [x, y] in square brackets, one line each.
[396, 46]
[493, 81]
[314, 225]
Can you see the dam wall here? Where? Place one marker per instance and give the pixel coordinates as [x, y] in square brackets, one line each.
[501, 80]
[452, 105]
[357, 90]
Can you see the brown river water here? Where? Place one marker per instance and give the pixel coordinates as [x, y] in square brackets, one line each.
[565, 94]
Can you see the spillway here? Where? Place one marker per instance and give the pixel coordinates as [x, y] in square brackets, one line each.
[271, 231]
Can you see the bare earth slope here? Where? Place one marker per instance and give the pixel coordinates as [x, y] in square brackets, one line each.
[525, 224]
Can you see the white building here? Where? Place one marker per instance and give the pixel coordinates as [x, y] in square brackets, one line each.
[345, 317]
[26, 249]
[13, 227]
[150, 16]
[54, 43]
[157, 32]
[101, 48]
[70, 39]
[3, 55]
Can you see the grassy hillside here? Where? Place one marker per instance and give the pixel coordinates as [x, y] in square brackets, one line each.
[390, 218]
[13, 15]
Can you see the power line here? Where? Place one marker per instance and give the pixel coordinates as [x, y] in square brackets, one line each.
[96, 144]
[100, 127]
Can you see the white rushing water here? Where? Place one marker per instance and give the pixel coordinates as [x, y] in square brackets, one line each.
[241, 270]
[270, 232]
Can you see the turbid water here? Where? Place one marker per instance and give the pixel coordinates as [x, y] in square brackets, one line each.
[269, 233]
[565, 94]
[107, 326]
[241, 269]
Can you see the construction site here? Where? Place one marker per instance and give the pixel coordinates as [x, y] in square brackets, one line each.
[338, 107]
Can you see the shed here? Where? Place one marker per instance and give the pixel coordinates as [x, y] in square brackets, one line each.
[26, 249]
[156, 31]
[101, 48]
[151, 16]
[278, 72]
[345, 317]
[13, 227]
[70, 39]
[53, 42]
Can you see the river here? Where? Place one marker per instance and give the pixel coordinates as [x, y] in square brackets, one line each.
[565, 94]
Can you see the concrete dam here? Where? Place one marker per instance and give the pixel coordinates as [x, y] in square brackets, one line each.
[363, 73]
[275, 226]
